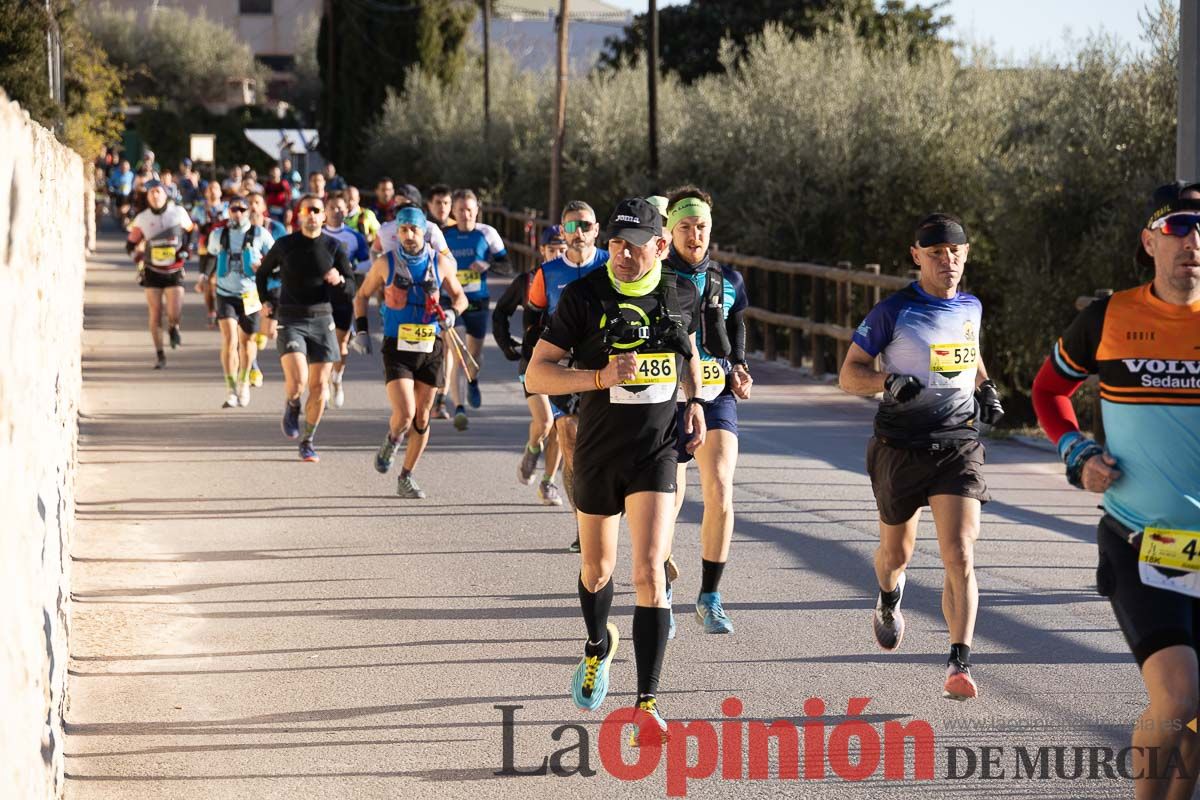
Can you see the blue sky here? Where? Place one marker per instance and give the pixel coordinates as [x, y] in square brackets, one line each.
[1019, 28]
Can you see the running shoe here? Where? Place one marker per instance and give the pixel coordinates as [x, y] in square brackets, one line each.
[439, 407]
[650, 706]
[231, 400]
[590, 684]
[711, 614]
[528, 466]
[888, 622]
[338, 395]
[243, 393]
[308, 452]
[959, 685]
[574, 548]
[671, 606]
[256, 378]
[460, 418]
[386, 456]
[176, 340]
[549, 494]
[291, 421]
[407, 488]
[474, 396]
[160, 361]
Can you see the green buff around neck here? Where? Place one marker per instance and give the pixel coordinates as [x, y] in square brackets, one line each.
[639, 288]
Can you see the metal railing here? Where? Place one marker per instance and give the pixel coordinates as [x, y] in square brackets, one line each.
[806, 312]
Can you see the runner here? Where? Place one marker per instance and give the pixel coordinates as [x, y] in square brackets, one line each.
[266, 322]
[120, 187]
[1144, 343]
[354, 244]
[333, 181]
[475, 247]
[159, 240]
[308, 263]
[582, 257]
[623, 328]
[239, 248]
[410, 278]
[360, 219]
[278, 194]
[542, 412]
[717, 298]
[926, 448]
[210, 214]
[385, 200]
[437, 207]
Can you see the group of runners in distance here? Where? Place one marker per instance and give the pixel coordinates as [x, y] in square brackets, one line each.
[632, 359]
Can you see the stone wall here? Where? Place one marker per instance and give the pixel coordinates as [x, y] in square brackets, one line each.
[43, 230]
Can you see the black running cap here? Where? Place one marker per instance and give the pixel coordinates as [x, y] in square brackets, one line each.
[635, 221]
[940, 229]
[1166, 199]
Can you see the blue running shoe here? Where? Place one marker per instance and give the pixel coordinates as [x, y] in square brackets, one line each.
[590, 685]
[711, 614]
[386, 455]
[308, 452]
[291, 421]
[474, 397]
[671, 605]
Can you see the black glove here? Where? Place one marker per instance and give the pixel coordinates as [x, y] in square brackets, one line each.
[901, 388]
[511, 350]
[990, 410]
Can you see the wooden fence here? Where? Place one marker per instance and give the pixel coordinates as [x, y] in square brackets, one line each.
[806, 312]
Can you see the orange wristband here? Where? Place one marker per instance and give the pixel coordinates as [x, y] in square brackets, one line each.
[599, 385]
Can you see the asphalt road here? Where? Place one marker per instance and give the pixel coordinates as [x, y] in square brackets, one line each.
[248, 625]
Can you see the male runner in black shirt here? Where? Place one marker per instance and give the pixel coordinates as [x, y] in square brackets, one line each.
[308, 262]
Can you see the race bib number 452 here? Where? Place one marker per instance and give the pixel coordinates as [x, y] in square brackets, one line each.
[414, 338]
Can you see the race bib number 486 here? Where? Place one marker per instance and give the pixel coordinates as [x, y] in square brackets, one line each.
[653, 381]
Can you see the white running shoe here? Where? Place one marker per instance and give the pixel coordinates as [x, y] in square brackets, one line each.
[243, 393]
[338, 394]
[231, 400]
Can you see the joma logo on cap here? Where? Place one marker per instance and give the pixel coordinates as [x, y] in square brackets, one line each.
[627, 218]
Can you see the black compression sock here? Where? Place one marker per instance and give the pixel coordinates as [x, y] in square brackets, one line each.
[710, 575]
[961, 654]
[650, 628]
[890, 598]
[595, 606]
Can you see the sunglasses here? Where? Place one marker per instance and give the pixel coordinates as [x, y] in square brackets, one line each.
[578, 225]
[238, 209]
[311, 210]
[1180, 225]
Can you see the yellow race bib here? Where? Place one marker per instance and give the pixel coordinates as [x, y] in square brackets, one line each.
[1171, 549]
[162, 255]
[653, 381]
[953, 358]
[471, 280]
[712, 380]
[250, 301]
[415, 338]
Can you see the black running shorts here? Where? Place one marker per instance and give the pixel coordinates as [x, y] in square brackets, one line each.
[234, 308]
[312, 337]
[424, 367]
[150, 279]
[601, 489]
[1151, 619]
[904, 479]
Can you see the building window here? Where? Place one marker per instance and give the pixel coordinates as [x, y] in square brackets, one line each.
[255, 7]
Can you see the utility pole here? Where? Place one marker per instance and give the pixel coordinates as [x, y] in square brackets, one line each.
[1187, 140]
[330, 78]
[487, 73]
[560, 114]
[652, 81]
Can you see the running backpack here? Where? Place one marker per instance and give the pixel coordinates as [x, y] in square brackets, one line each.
[247, 240]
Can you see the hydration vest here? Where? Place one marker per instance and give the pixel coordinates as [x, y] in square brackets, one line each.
[411, 286]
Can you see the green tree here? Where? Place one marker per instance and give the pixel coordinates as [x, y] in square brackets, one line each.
[373, 49]
[172, 58]
[87, 118]
[690, 36]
